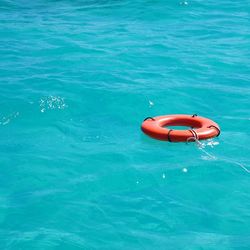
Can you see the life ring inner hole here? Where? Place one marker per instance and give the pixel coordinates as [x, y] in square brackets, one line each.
[178, 127]
[178, 122]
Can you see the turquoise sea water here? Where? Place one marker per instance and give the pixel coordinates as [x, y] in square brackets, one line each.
[77, 80]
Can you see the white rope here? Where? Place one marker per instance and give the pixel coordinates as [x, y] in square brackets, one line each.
[201, 147]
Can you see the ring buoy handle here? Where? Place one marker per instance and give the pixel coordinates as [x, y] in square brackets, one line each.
[212, 126]
[149, 118]
[169, 135]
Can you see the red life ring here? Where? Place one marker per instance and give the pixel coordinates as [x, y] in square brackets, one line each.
[201, 128]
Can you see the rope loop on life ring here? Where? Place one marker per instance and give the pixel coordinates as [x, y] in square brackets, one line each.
[147, 118]
[212, 126]
[195, 136]
[169, 139]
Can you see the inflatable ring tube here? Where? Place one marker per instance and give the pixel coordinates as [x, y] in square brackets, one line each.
[201, 128]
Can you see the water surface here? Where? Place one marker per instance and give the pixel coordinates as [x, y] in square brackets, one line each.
[77, 80]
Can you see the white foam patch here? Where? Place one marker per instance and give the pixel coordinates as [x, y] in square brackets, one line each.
[211, 143]
[52, 102]
[184, 3]
[184, 170]
[208, 143]
[207, 158]
[8, 118]
[151, 104]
